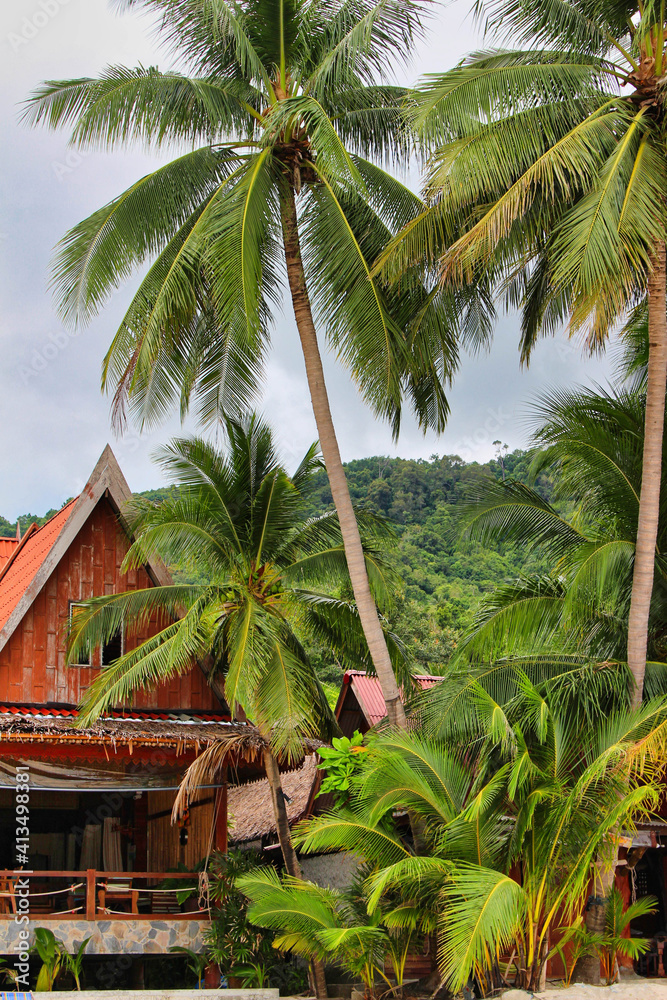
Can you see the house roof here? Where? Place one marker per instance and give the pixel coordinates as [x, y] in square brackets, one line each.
[20, 568]
[250, 808]
[368, 693]
[22, 724]
[7, 546]
[26, 567]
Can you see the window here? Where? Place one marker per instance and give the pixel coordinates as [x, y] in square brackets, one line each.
[112, 649]
[84, 657]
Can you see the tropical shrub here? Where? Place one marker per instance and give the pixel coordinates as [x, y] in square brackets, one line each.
[523, 786]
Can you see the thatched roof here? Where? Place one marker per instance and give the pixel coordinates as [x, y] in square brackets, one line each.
[250, 809]
[182, 733]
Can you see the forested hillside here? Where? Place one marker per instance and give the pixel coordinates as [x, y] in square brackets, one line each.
[442, 575]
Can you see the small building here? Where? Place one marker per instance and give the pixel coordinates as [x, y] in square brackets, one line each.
[99, 836]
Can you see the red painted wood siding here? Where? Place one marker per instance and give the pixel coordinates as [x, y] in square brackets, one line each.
[32, 663]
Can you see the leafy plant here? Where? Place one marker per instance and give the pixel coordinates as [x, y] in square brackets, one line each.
[195, 961]
[52, 953]
[317, 922]
[341, 761]
[618, 920]
[10, 972]
[182, 888]
[74, 962]
[253, 975]
[232, 941]
[519, 782]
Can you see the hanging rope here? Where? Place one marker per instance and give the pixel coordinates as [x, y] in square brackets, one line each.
[204, 891]
[53, 892]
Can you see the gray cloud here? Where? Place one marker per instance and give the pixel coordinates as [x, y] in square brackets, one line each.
[53, 417]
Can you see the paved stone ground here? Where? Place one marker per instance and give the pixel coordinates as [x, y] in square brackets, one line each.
[631, 988]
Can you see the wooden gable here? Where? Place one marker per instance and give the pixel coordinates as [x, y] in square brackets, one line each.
[33, 668]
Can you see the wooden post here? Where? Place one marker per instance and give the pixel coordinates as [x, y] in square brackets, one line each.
[90, 894]
[221, 839]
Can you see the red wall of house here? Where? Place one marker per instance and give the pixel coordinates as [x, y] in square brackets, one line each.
[32, 664]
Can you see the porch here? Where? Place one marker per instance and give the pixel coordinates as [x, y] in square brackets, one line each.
[123, 913]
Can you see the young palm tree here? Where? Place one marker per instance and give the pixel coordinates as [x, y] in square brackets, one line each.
[239, 520]
[529, 785]
[548, 175]
[286, 118]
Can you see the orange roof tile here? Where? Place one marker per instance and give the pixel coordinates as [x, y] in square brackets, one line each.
[17, 573]
[7, 546]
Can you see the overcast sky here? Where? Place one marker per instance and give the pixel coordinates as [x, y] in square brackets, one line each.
[54, 420]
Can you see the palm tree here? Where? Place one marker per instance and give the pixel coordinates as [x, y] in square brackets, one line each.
[240, 521]
[286, 117]
[592, 441]
[547, 174]
[530, 785]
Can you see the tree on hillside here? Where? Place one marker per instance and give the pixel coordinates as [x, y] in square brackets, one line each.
[592, 442]
[548, 177]
[287, 117]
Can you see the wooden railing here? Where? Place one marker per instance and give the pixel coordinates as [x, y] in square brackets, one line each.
[94, 895]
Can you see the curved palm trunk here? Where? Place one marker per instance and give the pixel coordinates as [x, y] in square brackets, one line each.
[339, 488]
[287, 847]
[649, 501]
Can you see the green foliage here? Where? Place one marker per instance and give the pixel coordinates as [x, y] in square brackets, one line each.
[74, 963]
[271, 574]
[195, 961]
[592, 442]
[52, 953]
[517, 778]
[617, 920]
[340, 762]
[327, 924]
[238, 946]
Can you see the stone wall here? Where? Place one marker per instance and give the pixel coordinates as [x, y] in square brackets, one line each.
[113, 937]
[334, 871]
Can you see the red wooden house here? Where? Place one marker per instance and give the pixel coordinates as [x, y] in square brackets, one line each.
[100, 831]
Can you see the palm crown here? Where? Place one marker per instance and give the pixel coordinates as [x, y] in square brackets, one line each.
[242, 523]
[285, 95]
[568, 222]
[548, 177]
[288, 116]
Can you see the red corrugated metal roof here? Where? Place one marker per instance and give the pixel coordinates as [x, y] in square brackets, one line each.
[53, 712]
[7, 547]
[18, 572]
[368, 692]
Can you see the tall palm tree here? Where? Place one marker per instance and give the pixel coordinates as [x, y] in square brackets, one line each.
[240, 520]
[284, 111]
[548, 175]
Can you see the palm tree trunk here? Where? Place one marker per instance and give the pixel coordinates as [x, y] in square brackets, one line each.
[649, 501]
[289, 854]
[280, 815]
[587, 969]
[339, 488]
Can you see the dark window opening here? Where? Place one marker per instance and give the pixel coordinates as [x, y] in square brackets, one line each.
[83, 658]
[112, 649]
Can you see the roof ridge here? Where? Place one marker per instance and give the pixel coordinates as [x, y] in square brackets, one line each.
[30, 533]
